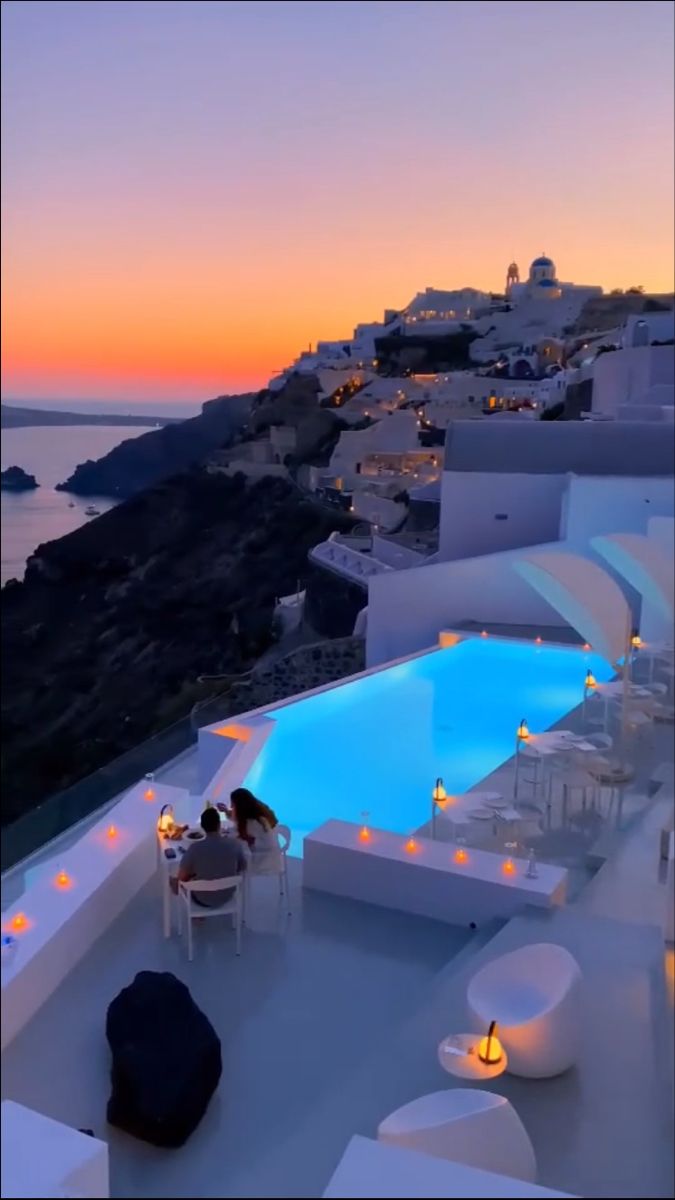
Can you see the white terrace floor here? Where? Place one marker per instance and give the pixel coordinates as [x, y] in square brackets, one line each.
[331, 1019]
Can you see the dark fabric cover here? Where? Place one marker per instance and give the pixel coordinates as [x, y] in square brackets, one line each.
[166, 1060]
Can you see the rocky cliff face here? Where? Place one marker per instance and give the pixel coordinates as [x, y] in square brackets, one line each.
[104, 640]
[143, 461]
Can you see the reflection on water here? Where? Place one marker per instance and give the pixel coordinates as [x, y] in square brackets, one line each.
[51, 455]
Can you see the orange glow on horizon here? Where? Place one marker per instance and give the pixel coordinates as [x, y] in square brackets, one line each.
[183, 234]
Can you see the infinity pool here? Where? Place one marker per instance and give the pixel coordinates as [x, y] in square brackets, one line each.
[377, 744]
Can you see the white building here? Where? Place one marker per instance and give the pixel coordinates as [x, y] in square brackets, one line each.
[512, 485]
[637, 382]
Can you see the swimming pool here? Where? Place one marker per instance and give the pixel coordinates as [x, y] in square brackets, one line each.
[377, 744]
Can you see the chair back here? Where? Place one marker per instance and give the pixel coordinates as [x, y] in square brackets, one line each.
[283, 833]
[211, 885]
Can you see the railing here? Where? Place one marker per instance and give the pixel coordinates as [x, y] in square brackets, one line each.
[61, 811]
[64, 809]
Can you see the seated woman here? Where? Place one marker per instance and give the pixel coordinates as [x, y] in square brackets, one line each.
[255, 824]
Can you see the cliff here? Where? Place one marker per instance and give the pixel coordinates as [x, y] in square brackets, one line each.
[143, 461]
[18, 418]
[15, 479]
[103, 642]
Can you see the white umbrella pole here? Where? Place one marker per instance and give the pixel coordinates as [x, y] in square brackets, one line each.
[625, 693]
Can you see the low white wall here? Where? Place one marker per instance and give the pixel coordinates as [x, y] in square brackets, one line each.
[42, 1157]
[60, 924]
[407, 609]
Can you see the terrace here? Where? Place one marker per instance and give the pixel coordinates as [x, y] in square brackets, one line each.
[332, 1016]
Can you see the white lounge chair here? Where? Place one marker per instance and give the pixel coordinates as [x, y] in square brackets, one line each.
[479, 1129]
[533, 995]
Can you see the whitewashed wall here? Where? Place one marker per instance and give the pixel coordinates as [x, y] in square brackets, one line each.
[407, 609]
[473, 503]
[607, 504]
[629, 377]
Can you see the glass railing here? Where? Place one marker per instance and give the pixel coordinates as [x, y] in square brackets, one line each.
[63, 810]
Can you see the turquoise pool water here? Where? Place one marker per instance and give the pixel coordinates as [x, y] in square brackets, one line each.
[377, 744]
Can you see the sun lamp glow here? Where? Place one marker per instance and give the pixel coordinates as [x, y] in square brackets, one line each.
[490, 1048]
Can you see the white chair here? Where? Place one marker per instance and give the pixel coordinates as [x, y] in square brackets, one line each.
[233, 907]
[273, 863]
[465, 1125]
[533, 995]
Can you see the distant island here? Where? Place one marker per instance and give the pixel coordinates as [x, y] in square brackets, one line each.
[15, 479]
[13, 417]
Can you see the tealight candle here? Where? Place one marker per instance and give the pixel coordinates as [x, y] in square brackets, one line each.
[461, 856]
[509, 867]
[411, 845]
[19, 922]
[63, 879]
[111, 832]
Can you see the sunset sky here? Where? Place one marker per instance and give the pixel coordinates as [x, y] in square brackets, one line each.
[193, 192]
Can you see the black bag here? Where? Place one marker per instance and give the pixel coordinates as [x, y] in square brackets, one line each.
[157, 1095]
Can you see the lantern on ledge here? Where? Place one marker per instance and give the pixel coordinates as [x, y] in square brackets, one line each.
[460, 856]
[522, 732]
[364, 832]
[635, 640]
[165, 821]
[111, 833]
[63, 880]
[439, 794]
[490, 1048]
[509, 867]
[411, 845]
[590, 682]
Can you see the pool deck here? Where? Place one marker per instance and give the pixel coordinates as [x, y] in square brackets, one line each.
[331, 1018]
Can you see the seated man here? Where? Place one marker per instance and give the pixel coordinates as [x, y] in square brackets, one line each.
[214, 857]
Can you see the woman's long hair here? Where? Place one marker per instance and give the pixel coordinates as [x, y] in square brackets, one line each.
[245, 808]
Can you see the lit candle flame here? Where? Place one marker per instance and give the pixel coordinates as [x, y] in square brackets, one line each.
[461, 855]
[112, 831]
[509, 867]
[19, 921]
